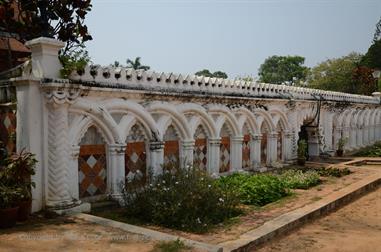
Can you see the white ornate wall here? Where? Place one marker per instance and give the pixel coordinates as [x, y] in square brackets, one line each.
[142, 117]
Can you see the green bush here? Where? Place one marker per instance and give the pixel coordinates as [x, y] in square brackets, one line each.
[185, 199]
[297, 179]
[373, 151]
[256, 190]
[333, 172]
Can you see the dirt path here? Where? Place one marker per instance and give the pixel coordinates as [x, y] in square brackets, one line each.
[66, 234]
[355, 227]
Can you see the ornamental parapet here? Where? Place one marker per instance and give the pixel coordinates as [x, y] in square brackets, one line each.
[127, 78]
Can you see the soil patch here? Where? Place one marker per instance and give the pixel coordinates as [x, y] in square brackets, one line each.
[355, 227]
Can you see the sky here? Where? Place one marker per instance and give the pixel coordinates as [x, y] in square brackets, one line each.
[234, 36]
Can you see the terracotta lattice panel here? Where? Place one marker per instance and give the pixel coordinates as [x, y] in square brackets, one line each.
[264, 148]
[136, 160]
[8, 129]
[225, 154]
[200, 154]
[92, 170]
[246, 152]
[171, 153]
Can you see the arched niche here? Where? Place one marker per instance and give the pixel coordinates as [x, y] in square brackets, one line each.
[200, 153]
[171, 147]
[92, 164]
[246, 146]
[265, 130]
[136, 153]
[225, 148]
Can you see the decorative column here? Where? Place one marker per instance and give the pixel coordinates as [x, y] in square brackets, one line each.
[116, 169]
[59, 194]
[73, 171]
[352, 138]
[214, 155]
[313, 142]
[359, 137]
[287, 146]
[365, 135]
[236, 152]
[255, 151]
[337, 136]
[186, 158]
[372, 137]
[272, 147]
[156, 157]
[378, 131]
[346, 135]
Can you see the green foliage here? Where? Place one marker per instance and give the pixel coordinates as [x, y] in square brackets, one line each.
[372, 58]
[74, 61]
[170, 246]
[17, 172]
[9, 195]
[341, 143]
[64, 20]
[302, 148]
[297, 179]
[256, 190]
[185, 199]
[373, 151]
[332, 172]
[136, 64]
[207, 73]
[283, 69]
[335, 74]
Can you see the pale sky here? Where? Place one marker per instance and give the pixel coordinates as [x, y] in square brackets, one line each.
[234, 36]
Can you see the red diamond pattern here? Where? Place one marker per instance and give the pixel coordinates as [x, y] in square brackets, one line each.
[200, 154]
[136, 159]
[8, 129]
[246, 152]
[225, 154]
[92, 170]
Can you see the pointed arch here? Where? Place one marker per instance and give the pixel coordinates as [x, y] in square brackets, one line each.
[204, 117]
[178, 119]
[227, 117]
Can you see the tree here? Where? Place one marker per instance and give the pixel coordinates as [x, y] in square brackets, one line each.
[207, 73]
[340, 74]
[63, 20]
[283, 69]
[377, 33]
[135, 64]
[372, 58]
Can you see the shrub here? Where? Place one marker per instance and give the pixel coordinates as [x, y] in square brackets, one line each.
[256, 190]
[333, 172]
[171, 246]
[297, 179]
[185, 199]
[373, 151]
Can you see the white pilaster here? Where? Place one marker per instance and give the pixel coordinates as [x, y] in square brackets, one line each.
[186, 158]
[236, 153]
[272, 141]
[156, 157]
[116, 169]
[214, 155]
[255, 151]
